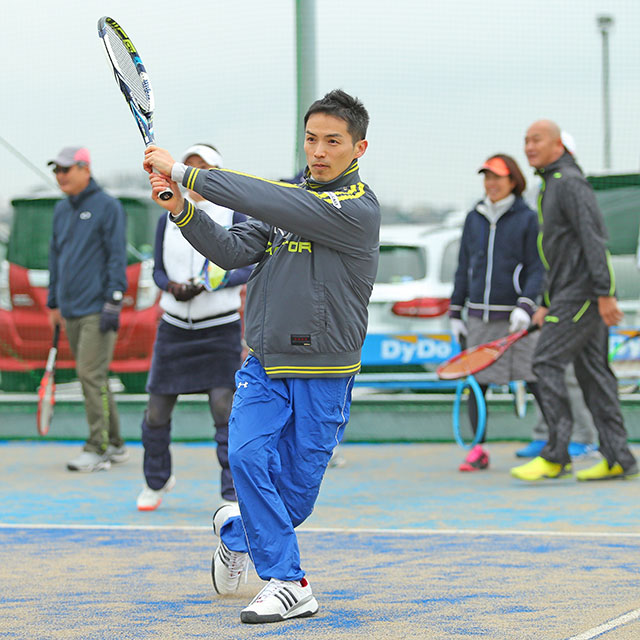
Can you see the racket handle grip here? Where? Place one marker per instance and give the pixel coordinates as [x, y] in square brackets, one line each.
[165, 194]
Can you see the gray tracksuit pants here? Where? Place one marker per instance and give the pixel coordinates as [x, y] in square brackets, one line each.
[583, 430]
[582, 339]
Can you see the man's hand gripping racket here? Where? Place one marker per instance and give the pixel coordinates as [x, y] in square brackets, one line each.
[477, 358]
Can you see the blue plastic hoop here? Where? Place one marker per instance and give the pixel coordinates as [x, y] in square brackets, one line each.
[470, 382]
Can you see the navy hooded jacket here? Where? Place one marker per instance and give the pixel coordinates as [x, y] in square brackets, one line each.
[87, 252]
[498, 266]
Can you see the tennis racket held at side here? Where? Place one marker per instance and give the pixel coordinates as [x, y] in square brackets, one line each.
[630, 334]
[132, 79]
[480, 357]
[47, 388]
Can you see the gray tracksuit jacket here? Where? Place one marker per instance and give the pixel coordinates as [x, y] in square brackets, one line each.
[316, 249]
[572, 236]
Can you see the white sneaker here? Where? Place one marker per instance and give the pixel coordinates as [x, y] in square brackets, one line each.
[227, 566]
[117, 454]
[150, 499]
[89, 461]
[336, 461]
[280, 600]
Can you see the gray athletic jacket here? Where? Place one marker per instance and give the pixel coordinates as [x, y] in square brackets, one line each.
[316, 245]
[572, 236]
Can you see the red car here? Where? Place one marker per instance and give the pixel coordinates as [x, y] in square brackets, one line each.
[25, 334]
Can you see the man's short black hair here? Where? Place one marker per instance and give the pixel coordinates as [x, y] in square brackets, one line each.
[340, 104]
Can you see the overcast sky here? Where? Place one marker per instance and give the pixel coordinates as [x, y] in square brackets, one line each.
[446, 84]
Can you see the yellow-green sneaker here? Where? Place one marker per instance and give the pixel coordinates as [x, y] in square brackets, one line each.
[602, 471]
[540, 469]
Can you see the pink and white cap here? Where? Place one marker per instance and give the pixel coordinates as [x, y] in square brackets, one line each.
[70, 156]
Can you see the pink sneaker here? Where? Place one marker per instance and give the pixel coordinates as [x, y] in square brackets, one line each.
[476, 460]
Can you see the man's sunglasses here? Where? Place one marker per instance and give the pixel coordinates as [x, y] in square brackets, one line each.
[61, 169]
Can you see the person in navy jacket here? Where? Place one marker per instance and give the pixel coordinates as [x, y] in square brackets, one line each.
[87, 281]
[497, 282]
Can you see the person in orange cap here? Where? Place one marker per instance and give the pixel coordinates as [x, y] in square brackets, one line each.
[497, 282]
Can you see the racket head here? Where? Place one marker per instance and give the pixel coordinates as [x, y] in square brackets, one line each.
[46, 402]
[130, 74]
[212, 277]
[480, 357]
[468, 362]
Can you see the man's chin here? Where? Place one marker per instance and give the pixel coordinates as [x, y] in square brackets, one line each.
[323, 175]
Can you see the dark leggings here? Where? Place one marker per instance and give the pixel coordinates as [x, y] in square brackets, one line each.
[532, 387]
[156, 437]
[160, 406]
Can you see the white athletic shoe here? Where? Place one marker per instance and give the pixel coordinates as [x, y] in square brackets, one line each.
[117, 454]
[149, 499]
[227, 566]
[89, 461]
[280, 600]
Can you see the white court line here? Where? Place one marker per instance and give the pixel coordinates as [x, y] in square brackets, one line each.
[607, 626]
[418, 532]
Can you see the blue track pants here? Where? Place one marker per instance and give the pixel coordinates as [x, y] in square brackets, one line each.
[282, 433]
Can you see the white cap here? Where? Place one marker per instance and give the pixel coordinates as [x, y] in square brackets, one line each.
[568, 142]
[209, 155]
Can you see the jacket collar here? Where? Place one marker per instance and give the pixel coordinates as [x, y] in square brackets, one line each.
[565, 160]
[92, 187]
[349, 176]
[493, 211]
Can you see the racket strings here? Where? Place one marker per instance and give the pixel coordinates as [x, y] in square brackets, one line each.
[125, 65]
[468, 363]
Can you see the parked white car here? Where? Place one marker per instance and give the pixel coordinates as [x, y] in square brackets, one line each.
[408, 321]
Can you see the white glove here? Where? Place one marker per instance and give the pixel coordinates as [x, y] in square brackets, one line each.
[518, 320]
[458, 328]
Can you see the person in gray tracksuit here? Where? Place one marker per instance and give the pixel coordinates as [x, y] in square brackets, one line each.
[316, 246]
[577, 308]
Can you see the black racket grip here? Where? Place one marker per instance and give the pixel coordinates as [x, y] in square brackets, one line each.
[165, 194]
[56, 335]
[532, 327]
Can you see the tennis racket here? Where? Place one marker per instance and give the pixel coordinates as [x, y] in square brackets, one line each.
[480, 357]
[132, 78]
[629, 334]
[47, 389]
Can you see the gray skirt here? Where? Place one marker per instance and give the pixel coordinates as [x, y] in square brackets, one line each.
[516, 362]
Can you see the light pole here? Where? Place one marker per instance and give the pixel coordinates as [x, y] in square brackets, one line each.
[605, 23]
[305, 70]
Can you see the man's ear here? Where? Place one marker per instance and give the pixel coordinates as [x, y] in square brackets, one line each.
[360, 148]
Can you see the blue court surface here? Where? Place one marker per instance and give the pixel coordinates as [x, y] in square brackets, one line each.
[401, 545]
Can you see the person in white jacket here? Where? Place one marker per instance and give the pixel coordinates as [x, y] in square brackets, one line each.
[198, 345]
